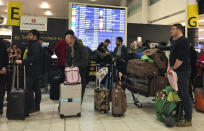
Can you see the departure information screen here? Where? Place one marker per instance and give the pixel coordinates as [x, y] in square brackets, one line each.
[93, 24]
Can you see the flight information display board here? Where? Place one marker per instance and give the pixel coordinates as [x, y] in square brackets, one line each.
[94, 24]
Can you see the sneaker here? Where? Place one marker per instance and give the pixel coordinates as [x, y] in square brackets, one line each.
[184, 123]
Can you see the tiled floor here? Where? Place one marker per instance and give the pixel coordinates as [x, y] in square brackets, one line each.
[135, 119]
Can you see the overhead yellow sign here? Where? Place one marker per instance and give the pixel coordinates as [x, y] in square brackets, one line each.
[14, 13]
[193, 16]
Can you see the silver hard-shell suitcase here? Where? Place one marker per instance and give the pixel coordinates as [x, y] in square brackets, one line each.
[70, 100]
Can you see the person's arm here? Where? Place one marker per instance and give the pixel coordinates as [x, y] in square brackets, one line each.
[66, 58]
[57, 49]
[163, 47]
[126, 53]
[177, 64]
[83, 62]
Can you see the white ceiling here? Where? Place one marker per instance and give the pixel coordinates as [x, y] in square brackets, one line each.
[59, 8]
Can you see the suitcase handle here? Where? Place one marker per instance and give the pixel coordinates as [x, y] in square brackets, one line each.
[16, 74]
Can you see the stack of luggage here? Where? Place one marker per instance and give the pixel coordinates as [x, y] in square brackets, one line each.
[146, 75]
[70, 94]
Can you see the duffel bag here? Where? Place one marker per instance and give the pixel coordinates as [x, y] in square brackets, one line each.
[158, 57]
[142, 69]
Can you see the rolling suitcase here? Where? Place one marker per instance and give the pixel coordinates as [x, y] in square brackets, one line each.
[101, 95]
[54, 78]
[17, 108]
[70, 100]
[119, 103]
[102, 100]
[199, 99]
[54, 91]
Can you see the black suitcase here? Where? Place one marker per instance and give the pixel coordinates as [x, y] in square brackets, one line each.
[17, 108]
[55, 78]
[54, 91]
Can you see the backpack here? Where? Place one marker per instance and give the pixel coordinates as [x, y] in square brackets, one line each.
[165, 105]
[72, 76]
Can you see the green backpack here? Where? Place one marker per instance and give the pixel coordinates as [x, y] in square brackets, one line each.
[165, 105]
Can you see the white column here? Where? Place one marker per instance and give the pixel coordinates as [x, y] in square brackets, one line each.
[145, 11]
[123, 3]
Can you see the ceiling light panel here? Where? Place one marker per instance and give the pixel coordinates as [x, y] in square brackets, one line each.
[48, 13]
[45, 5]
[1, 2]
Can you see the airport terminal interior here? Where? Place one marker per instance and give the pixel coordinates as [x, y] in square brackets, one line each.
[101, 65]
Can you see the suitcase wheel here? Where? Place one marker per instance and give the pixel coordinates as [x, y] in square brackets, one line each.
[117, 115]
[61, 116]
[103, 112]
[138, 104]
[79, 114]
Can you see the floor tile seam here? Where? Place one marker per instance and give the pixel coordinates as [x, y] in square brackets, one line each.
[25, 124]
[102, 124]
[50, 124]
[65, 125]
[79, 125]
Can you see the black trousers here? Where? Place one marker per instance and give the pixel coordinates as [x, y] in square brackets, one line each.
[44, 81]
[83, 83]
[87, 73]
[62, 68]
[191, 88]
[183, 86]
[2, 90]
[33, 92]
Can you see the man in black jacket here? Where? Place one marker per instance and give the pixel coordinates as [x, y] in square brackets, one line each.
[32, 59]
[77, 56]
[103, 47]
[3, 65]
[103, 55]
[179, 61]
[46, 62]
[120, 55]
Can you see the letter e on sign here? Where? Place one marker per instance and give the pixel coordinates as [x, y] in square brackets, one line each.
[14, 13]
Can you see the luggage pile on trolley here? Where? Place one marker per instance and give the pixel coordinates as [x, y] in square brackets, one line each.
[146, 75]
